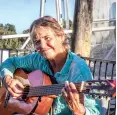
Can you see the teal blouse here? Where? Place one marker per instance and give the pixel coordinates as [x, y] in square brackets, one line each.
[74, 70]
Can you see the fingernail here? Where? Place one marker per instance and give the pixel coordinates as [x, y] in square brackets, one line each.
[71, 82]
[66, 83]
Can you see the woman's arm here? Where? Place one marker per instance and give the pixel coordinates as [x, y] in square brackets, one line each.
[27, 62]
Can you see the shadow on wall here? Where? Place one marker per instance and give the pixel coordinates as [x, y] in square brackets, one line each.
[102, 42]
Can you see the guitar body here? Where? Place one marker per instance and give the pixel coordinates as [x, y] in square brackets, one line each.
[35, 78]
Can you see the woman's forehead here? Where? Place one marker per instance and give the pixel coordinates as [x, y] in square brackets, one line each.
[43, 31]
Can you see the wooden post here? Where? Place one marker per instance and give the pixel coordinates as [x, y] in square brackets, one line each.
[82, 27]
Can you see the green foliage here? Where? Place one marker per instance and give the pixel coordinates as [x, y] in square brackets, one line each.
[70, 24]
[64, 24]
[26, 31]
[1, 25]
[8, 29]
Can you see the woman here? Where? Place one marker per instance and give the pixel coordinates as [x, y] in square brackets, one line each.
[54, 58]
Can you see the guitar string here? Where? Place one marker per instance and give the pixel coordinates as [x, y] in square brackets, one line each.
[58, 87]
[48, 89]
[64, 85]
[45, 89]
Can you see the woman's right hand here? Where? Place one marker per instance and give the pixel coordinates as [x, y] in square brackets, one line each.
[14, 86]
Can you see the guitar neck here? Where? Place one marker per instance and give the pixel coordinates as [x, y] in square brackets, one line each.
[82, 87]
[54, 89]
[48, 90]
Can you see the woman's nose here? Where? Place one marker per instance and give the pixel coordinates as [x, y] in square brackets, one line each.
[42, 43]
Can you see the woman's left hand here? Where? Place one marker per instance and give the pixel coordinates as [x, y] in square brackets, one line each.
[71, 96]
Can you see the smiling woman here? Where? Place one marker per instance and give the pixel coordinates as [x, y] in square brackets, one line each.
[48, 37]
[55, 59]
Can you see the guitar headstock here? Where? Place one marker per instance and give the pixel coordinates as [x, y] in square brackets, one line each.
[105, 88]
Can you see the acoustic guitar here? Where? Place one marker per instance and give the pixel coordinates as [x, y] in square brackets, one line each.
[38, 84]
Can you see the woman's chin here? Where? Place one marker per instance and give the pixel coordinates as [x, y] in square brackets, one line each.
[48, 56]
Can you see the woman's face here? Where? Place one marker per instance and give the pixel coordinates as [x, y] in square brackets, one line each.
[47, 43]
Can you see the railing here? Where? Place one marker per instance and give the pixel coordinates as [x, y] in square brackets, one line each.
[101, 69]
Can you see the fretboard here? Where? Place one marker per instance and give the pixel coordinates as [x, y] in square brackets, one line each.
[54, 89]
[46, 90]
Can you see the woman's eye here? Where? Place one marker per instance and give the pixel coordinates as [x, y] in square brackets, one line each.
[47, 38]
[37, 42]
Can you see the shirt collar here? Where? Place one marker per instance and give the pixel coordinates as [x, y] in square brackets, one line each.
[67, 64]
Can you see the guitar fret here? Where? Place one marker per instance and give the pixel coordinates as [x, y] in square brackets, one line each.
[47, 90]
[44, 91]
